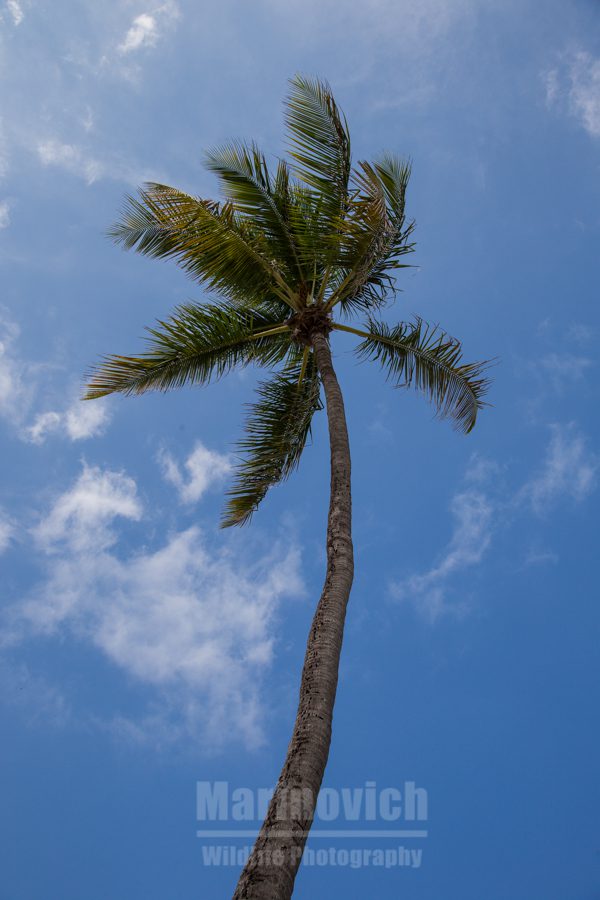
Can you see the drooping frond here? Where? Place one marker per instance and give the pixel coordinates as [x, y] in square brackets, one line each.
[421, 356]
[195, 345]
[373, 236]
[276, 432]
[320, 142]
[209, 241]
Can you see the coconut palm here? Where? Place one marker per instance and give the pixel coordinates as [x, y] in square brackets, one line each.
[293, 254]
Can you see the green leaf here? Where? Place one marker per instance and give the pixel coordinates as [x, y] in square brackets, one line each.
[424, 357]
[276, 433]
[394, 175]
[248, 185]
[373, 236]
[196, 345]
[320, 142]
[210, 242]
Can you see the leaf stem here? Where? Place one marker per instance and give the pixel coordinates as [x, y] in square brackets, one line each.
[363, 334]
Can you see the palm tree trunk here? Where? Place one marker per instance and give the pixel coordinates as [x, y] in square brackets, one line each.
[271, 869]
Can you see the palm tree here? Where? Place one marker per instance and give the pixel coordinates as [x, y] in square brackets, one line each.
[292, 254]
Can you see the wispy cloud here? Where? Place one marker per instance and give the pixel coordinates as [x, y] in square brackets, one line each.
[584, 95]
[85, 420]
[3, 150]
[581, 333]
[71, 158]
[203, 469]
[425, 35]
[414, 25]
[568, 471]
[187, 619]
[82, 516]
[20, 386]
[16, 386]
[15, 11]
[575, 86]
[147, 27]
[4, 214]
[430, 592]
[556, 372]
[6, 531]
[537, 556]
[474, 512]
[562, 369]
[143, 33]
[78, 422]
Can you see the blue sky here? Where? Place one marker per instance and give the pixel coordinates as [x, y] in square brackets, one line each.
[142, 649]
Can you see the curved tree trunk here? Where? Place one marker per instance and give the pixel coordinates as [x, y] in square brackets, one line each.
[271, 869]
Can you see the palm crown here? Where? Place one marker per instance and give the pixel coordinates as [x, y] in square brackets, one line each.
[289, 252]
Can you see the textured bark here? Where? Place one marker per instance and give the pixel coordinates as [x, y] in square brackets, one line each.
[270, 872]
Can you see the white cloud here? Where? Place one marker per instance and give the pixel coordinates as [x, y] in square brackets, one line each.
[3, 151]
[75, 160]
[19, 385]
[6, 532]
[85, 420]
[43, 424]
[569, 470]
[584, 95]
[143, 33]
[537, 556]
[204, 469]
[81, 516]
[482, 470]
[194, 623]
[70, 157]
[145, 29]
[4, 214]
[472, 512]
[552, 86]
[78, 422]
[562, 369]
[16, 11]
[16, 384]
[87, 120]
[575, 86]
[581, 333]
[375, 34]
[415, 25]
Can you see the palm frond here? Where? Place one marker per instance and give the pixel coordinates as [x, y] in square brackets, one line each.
[421, 356]
[312, 238]
[320, 142]
[195, 345]
[373, 236]
[249, 186]
[394, 175]
[208, 240]
[276, 432]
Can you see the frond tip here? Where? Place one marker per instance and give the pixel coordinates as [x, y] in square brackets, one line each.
[422, 356]
[319, 141]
